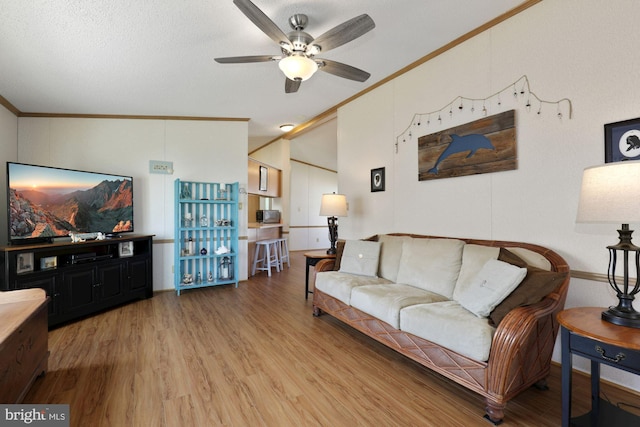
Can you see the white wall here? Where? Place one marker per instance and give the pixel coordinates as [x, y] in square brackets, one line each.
[8, 153]
[209, 151]
[309, 230]
[580, 49]
[303, 184]
[318, 146]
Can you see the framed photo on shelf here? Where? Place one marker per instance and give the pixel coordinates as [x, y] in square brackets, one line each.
[125, 249]
[377, 179]
[264, 173]
[622, 141]
[48, 263]
[24, 262]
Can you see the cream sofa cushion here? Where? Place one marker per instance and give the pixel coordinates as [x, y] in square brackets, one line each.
[390, 253]
[384, 302]
[339, 285]
[474, 257]
[449, 325]
[431, 264]
[360, 257]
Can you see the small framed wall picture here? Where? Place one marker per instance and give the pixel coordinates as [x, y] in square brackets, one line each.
[125, 249]
[622, 141]
[377, 179]
[24, 262]
[264, 173]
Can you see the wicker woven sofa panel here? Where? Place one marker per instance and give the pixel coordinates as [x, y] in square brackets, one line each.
[436, 300]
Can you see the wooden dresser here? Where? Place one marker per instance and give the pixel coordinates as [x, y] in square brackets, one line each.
[24, 341]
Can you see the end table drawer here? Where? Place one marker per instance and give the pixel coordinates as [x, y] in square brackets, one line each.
[606, 353]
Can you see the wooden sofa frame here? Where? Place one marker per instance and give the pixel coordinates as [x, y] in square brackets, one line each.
[521, 349]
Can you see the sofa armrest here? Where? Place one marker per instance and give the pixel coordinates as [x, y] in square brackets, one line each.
[325, 265]
[522, 346]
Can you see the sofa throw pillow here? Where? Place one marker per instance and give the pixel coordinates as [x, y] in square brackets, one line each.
[340, 249]
[493, 283]
[537, 284]
[360, 257]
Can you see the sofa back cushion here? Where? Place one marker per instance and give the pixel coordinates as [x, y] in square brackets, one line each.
[390, 253]
[431, 264]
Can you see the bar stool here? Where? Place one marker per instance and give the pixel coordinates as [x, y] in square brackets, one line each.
[269, 258]
[283, 252]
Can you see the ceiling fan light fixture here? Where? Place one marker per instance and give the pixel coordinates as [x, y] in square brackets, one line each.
[298, 67]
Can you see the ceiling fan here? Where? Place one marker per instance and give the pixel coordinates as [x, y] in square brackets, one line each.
[298, 61]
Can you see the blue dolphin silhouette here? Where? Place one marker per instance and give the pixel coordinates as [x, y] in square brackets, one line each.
[460, 144]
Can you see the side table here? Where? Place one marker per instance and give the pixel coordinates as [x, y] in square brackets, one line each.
[585, 334]
[313, 258]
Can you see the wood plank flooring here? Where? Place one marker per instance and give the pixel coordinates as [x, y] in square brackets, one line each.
[255, 356]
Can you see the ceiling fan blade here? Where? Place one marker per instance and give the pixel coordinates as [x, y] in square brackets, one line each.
[345, 32]
[245, 59]
[291, 86]
[262, 21]
[343, 70]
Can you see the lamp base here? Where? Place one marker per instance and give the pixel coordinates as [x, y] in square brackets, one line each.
[331, 251]
[629, 318]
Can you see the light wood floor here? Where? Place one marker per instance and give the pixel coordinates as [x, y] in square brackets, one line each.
[255, 356]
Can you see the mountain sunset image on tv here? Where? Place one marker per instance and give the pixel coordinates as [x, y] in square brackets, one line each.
[47, 202]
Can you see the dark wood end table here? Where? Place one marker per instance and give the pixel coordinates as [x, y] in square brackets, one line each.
[313, 258]
[585, 334]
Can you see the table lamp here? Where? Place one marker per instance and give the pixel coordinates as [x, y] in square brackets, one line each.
[332, 206]
[611, 194]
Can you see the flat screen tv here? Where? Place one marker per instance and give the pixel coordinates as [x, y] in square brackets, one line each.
[45, 202]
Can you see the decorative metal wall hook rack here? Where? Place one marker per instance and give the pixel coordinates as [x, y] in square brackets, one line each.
[518, 89]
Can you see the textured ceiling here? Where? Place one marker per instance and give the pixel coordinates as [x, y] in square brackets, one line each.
[155, 57]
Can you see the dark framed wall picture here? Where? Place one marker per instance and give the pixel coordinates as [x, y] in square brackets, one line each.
[264, 173]
[377, 179]
[622, 141]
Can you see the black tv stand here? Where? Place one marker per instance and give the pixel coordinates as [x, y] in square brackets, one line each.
[81, 278]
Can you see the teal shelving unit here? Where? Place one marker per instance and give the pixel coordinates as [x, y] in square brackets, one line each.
[206, 223]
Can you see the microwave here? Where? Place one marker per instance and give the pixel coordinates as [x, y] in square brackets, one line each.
[268, 216]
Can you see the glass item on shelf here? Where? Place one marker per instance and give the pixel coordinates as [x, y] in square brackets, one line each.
[222, 194]
[199, 278]
[203, 251]
[188, 218]
[187, 279]
[191, 247]
[210, 276]
[225, 268]
[222, 250]
[204, 221]
[186, 192]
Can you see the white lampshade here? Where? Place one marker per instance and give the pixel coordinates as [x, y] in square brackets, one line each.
[610, 193]
[298, 67]
[333, 205]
